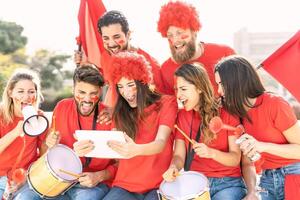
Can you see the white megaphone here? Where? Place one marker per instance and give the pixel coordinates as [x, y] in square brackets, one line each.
[34, 124]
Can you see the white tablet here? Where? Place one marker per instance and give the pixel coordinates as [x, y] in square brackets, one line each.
[100, 139]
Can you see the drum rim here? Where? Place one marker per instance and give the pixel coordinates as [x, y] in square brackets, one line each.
[190, 195]
[53, 172]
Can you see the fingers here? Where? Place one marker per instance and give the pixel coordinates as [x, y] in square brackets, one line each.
[83, 147]
[104, 118]
[87, 180]
[52, 139]
[127, 138]
[171, 174]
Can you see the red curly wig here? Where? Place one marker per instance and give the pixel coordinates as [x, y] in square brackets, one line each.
[130, 65]
[179, 14]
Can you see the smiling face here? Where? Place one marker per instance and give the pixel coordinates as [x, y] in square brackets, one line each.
[128, 90]
[182, 43]
[24, 93]
[114, 39]
[187, 94]
[86, 96]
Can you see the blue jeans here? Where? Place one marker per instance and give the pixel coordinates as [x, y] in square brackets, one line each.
[3, 181]
[272, 181]
[77, 192]
[229, 188]
[117, 193]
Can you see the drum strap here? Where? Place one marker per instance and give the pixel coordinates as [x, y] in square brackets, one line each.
[88, 160]
[190, 151]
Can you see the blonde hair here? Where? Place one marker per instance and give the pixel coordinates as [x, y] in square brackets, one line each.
[7, 106]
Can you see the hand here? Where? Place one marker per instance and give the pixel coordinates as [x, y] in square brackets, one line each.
[251, 196]
[127, 149]
[18, 130]
[91, 179]
[203, 151]
[83, 147]
[249, 145]
[171, 174]
[77, 57]
[52, 139]
[105, 116]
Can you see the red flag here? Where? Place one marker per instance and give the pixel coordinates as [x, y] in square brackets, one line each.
[284, 65]
[89, 13]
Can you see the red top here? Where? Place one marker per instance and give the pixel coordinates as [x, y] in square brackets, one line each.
[211, 55]
[143, 173]
[9, 156]
[207, 166]
[271, 116]
[66, 122]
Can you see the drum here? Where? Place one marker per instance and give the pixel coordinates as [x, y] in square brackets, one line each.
[44, 175]
[188, 185]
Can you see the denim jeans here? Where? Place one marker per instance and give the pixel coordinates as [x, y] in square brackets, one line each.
[272, 181]
[117, 193]
[3, 181]
[77, 192]
[227, 188]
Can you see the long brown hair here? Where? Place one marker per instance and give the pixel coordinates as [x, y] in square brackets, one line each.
[127, 118]
[240, 83]
[208, 106]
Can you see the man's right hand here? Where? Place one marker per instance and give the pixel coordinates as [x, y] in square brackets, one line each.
[52, 139]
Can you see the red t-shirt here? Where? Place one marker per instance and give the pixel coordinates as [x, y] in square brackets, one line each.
[143, 173]
[270, 117]
[10, 155]
[66, 119]
[211, 55]
[207, 166]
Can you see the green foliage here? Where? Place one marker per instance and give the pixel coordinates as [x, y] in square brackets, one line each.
[50, 67]
[11, 38]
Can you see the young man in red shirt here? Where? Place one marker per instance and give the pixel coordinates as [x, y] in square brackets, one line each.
[179, 23]
[80, 113]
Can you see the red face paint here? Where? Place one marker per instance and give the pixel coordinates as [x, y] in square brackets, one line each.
[94, 98]
[170, 41]
[120, 42]
[79, 98]
[184, 36]
[32, 100]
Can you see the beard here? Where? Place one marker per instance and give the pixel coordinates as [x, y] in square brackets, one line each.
[187, 54]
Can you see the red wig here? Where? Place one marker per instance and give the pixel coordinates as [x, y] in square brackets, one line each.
[130, 65]
[179, 14]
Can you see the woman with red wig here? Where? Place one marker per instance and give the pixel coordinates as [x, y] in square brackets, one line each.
[146, 118]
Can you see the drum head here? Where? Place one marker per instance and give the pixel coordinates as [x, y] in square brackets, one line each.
[187, 185]
[62, 157]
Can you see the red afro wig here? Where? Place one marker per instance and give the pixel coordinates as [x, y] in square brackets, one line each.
[179, 14]
[130, 65]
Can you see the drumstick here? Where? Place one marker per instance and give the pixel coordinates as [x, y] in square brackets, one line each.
[184, 134]
[70, 173]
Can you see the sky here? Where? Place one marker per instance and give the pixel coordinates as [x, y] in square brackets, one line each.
[52, 24]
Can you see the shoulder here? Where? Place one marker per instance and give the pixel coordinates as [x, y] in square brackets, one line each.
[64, 104]
[218, 48]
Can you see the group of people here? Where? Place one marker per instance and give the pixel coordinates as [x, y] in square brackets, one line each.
[208, 80]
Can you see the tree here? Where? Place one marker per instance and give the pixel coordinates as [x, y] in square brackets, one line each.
[11, 38]
[50, 67]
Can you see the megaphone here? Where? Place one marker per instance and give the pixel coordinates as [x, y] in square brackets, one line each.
[34, 124]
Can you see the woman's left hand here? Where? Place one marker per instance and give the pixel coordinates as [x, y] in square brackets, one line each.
[203, 151]
[127, 149]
